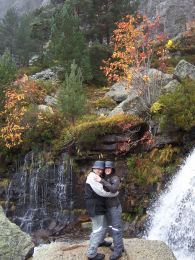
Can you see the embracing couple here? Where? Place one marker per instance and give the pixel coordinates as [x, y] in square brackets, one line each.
[104, 209]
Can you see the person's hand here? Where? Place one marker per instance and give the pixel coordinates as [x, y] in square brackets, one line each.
[97, 178]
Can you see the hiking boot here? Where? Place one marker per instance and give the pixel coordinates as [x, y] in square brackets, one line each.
[97, 257]
[115, 256]
[105, 243]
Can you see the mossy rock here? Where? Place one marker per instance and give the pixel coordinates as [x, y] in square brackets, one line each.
[86, 133]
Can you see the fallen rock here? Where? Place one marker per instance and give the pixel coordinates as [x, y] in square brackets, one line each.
[135, 249]
[47, 74]
[118, 91]
[140, 94]
[185, 69]
[14, 244]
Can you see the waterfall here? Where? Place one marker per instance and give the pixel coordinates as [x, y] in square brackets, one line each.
[41, 192]
[172, 217]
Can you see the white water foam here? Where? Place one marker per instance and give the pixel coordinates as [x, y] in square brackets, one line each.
[172, 219]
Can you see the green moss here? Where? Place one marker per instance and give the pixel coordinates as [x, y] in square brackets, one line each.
[105, 102]
[177, 108]
[149, 168]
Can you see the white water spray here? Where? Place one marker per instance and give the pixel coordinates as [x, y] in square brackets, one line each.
[172, 218]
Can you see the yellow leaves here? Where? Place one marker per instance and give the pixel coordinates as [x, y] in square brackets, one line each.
[170, 44]
[18, 99]
[156, 107]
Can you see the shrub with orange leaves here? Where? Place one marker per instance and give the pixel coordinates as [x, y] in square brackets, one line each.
[135, 43]
[17, 100]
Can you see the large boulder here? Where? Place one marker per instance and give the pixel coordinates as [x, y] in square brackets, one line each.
[141, 95]
[14, 244]
[185, 69]
[47, 74]
[135, 249]
[140, 249]
[118, 91]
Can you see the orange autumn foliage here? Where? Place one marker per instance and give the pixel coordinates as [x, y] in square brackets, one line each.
[135, 42]
[17, 100]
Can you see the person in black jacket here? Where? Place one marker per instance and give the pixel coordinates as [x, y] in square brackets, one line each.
[96, 208]
[111, 183]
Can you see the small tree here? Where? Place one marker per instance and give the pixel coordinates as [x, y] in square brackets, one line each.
[136, 43]
[71, 97]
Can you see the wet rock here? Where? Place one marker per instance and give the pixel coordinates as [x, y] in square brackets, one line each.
[52, 225]
[14, 244]
[185, 69]
[41, 236]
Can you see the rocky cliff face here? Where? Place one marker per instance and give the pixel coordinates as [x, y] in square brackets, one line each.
[21, 6]
[174, 14]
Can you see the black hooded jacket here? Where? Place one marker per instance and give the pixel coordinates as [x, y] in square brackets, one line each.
[111, 183]
[94, 203]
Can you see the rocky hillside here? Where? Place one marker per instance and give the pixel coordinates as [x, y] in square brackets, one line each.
[174, 14]
[20, 5]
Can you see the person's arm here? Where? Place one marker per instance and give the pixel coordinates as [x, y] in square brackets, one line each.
[112, 187]
[99, 190]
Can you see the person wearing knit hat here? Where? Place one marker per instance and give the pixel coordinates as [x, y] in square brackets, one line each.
[96, 208]
[111, 183]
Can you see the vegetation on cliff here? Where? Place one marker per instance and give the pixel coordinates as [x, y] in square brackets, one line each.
[75, 38]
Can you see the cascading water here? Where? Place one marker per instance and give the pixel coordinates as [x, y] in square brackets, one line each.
[172, 218]
[41, 192]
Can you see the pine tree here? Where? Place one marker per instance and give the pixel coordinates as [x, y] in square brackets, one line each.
[71, 97]
[98, 17]
[8, 31]
[25, 46]
[67, 42]
[7, 69]
[8, 72]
